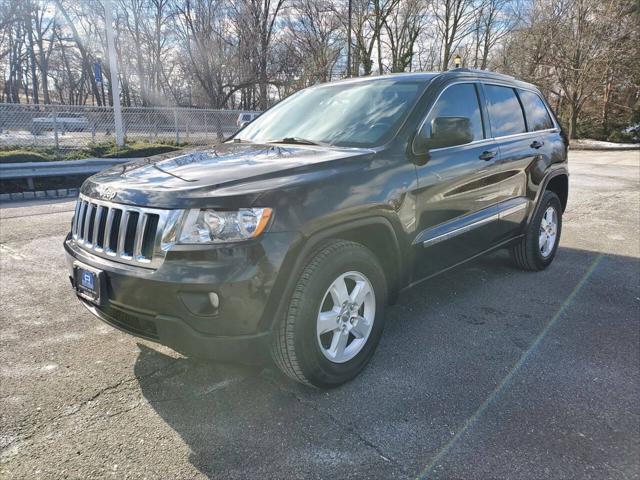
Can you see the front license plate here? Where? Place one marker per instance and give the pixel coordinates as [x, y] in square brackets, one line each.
[87, 282]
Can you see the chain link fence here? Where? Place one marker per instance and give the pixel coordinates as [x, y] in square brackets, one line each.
[66, 127]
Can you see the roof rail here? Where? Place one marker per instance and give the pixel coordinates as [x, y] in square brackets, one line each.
[477, 71]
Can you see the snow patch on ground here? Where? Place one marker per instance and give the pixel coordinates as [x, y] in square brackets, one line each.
[589, 144]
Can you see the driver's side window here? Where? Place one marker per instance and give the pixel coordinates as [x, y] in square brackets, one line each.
[455, 119]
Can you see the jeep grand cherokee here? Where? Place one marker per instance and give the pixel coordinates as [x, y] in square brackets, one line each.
[293, 236]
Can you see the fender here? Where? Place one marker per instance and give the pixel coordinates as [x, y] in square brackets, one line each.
[543, 187]
[306, 245]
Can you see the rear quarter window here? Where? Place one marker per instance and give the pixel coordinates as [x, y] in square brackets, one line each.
[505, 111]
[534, 108]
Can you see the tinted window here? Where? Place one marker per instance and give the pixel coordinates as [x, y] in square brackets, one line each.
[349, 114]
[460, 101]
[505, 111]
[537, 115]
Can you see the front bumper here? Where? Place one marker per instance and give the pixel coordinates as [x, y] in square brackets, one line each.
[172, 304]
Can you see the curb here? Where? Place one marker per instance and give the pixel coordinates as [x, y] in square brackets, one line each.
[604, 149]
[39, 195]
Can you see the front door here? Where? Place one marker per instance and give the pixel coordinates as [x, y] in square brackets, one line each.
[458, 187]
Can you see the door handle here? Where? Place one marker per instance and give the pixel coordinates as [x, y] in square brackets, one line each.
[487, 155]
[537, 144]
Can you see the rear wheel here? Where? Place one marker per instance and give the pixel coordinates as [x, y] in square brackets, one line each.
[335, 316]
[538, 248]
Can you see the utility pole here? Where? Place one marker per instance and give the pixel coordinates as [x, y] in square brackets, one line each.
[113, 67]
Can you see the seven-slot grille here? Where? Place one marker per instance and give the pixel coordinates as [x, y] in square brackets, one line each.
[119, 232]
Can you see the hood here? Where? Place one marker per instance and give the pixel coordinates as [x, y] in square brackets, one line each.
[229, 169]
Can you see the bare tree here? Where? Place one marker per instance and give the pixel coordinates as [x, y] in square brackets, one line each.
[494, 20]
[256, 20]
[583, 54]
[454, 21]
[315, 39]
[367, 24]
[403, 28]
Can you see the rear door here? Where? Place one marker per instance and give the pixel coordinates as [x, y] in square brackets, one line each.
[456, 194]
[548, 138]
[519, 149]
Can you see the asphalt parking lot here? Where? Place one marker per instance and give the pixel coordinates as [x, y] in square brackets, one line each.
[485, 372]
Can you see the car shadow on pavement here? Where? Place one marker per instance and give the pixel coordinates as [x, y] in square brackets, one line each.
[440, 396]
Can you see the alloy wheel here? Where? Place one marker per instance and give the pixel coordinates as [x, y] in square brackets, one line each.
[345, 317]
[548, 231]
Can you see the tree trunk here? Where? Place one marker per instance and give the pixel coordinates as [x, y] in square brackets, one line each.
[44, 68]
[32, 60]
[263, 83]
[573, 120]
[378, 14]
[445, 59]
[606, 100]
[349, 40]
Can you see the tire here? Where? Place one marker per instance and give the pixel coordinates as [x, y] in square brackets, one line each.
[307, 356]
[530, 253]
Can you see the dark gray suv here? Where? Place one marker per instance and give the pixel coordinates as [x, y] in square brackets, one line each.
[290, 239]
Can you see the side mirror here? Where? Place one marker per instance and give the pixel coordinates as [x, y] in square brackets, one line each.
[442, 132]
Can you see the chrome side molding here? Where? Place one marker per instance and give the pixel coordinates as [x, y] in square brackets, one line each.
[466, 223]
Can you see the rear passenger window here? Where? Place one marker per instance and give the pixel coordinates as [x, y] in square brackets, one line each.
[505, 111]
[537, 114]
[460, 101]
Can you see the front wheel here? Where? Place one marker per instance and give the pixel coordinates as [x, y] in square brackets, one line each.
[335, 316]
[538, 248]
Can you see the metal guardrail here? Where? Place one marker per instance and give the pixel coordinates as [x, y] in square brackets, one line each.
[10, 171]
[31, 170]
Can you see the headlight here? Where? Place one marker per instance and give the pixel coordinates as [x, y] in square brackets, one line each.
[218, 226]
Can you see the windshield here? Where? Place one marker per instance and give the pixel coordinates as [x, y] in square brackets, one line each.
[360, 114]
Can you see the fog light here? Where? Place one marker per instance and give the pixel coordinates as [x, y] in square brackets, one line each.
[200, 303]
[213, 298]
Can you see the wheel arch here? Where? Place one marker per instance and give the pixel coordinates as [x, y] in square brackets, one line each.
[376, 233]
[378, 236]
[559, 184]
[556, 181]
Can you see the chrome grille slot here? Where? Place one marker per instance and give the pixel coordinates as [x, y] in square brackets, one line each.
[146, 248]
[130, 233]
[81, 222]
[100, 226]
[114, 228]
[91, 220]
[121, 233]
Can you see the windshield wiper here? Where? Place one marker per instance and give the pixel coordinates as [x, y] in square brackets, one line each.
[295, 140]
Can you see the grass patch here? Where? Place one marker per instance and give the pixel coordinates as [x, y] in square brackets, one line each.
[102, 150]
[14, 156]
[132, 150]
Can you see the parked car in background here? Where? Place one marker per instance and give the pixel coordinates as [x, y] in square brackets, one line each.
[63, 121]
[246, 118]
[292, 237]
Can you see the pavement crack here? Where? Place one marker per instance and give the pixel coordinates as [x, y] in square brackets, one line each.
[125, 381]
[120, 412]
[74, 409]
[339, 422]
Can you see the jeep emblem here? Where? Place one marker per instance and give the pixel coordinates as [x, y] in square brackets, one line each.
[107, 193]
